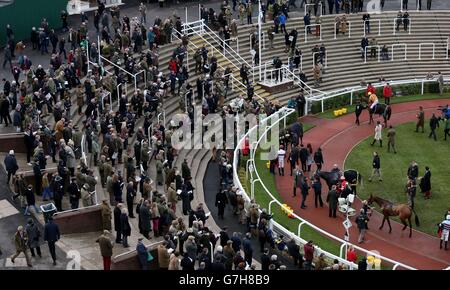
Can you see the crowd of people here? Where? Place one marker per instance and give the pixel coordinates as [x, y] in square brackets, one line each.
[47, 103]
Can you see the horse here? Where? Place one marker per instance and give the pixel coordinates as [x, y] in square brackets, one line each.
[353, 177]
[382, 110]
[403, 211]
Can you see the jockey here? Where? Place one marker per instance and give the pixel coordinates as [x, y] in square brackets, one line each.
[342, 184]
[373, 100]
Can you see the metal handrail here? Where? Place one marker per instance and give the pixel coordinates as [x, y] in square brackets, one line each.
[311, 25]
[371, 46]
[233, 79]
[426, 43]
[368, 20]
[395, 25]
[349, 29]
[402, 45]
[239, 185]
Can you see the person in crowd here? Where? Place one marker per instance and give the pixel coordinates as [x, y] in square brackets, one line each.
[106, 249]
[51, 236]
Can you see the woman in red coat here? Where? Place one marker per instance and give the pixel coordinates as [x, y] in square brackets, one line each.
[387, 94]
[351, 255]
[173, 65]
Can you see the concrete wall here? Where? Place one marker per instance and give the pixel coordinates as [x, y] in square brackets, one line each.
[130, 261]
[22, 15]
[82, 220]
[12, 141]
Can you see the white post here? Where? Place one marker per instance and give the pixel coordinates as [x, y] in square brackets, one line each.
[401, 5]
[335, 24]
[87, 51]
[199, 12]
[259, 36]
[186, 11]
[448, 40]
[349, 29]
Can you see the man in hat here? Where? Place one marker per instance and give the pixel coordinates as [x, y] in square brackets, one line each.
[142, 254]
[51, 236]
[21, 242]
[11, 164]
[361, 221]
[106, 215]
[106, 246]
[74, 194]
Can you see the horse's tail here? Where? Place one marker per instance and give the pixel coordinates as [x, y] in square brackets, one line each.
[360, 180]
[416, 218]
[388, 113]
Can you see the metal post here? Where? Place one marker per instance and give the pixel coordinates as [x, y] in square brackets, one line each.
[351, 97]
[349, 29]
[186, 11]
[335, 24]
[270, 206]
[300, 228]
[87, 52]
[199, 12]
[259, 36]
[322, 106]
[422, 87]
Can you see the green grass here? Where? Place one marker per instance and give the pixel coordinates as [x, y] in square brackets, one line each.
[329, 114]
[410, 146]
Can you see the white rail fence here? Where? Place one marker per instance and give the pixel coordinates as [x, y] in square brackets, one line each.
[275, 119]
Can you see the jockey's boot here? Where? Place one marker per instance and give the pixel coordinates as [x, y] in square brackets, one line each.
[440, 244]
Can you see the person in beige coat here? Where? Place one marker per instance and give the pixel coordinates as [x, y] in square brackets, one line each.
[163, 256]
[174, 261]
[172, 196]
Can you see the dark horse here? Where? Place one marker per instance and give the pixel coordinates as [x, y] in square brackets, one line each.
[353, 177]
[403, 211]
[382, 110]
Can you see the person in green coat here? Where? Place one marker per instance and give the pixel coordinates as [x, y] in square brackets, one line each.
[159, 171]
[447, 128]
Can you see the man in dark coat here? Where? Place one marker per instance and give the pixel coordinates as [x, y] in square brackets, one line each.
[305, 190]
[187, 263]
[425, 183]
[358, 110]
[74, 194]
[221, 202]
[51, 236]
[125, 227]
[434, 123]
[142, 254]
[144, 216]
[332, 199]
[117, 213]
[294, 251]
[265, 260]
[248, 250]
[11, 164]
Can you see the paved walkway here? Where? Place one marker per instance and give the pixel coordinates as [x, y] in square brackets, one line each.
[337, 137]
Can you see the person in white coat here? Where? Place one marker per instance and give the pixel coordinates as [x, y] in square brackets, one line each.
[377, 137]
[281, 157]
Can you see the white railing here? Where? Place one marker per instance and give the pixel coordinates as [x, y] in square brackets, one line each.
[161, 117]
[234, 81]
[104, 95]
[395, 25]
[319, 8]
[368, 21]
[285, 112]
[425, 43]
[352, 90]
[312, 25]
[371, 46]
[193, 28]
[349, 29]
[404, 45]
[122, 69]
[313, 58]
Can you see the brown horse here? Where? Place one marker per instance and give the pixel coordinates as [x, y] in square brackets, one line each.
[403, 211]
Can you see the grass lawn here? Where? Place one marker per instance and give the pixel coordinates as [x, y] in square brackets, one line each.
[410, 146]
[329, 114]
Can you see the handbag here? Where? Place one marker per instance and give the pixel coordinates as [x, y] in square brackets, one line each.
[149, 257]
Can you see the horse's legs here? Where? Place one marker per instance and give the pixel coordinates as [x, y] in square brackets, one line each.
[410, 226]
[404, 224]
[382, 224]
[389, 223]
